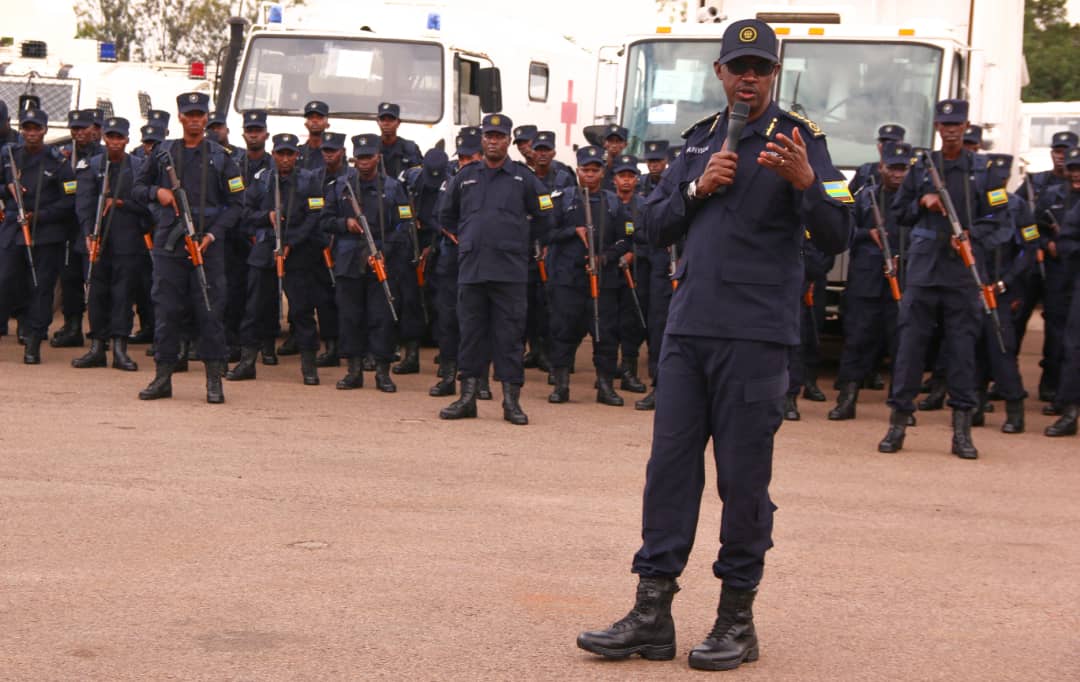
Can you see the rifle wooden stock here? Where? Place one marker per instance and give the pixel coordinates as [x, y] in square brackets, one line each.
[886, 250]
[592, 265]
[20, 215]
[189, 230]
[375, 257]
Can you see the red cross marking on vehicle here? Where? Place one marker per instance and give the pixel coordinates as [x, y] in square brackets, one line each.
[569, 110]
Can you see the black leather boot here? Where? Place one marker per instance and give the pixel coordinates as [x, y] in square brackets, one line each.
[288, 346]
[308, 369]
[962, 446]
[1066, 424]
[648, 403]
[70, 335]
[812, 392]
[1014, 417]
[215, 369]
[161, 386]
[447, 381]
[1053, 410]
[561, 394]
[483, 389]
[410, 364]
[791, 408]
[978, 415]
[32, 352]
[542, 362]
[94, 358]
[234, 354]
[732, 640]
[330, 358]
[269, 354]
[605, 392]
[511, 405]
[120, 358]
[628, 378]
[465, 406]
[369, 362]
[935, 399]
[648, 630]
[245, 369]
[354, 378]
[383, 382]
[182, 357]
[894, 437]
[845, 402]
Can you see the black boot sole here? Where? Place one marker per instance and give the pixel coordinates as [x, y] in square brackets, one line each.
[650, 652]
[699, 663]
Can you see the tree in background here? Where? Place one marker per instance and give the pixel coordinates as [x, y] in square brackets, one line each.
[1051, 45]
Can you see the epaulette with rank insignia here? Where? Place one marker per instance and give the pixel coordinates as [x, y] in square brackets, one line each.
[708, 119]
[814, 129]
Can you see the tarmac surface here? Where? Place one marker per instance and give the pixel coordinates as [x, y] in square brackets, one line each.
[308, 533]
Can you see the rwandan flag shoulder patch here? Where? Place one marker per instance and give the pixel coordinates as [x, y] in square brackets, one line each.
[997, 197]
[1029, 233]
[837, 189]
[236, 184]
[70, 186]
[629, 228]
[404, 212]
[315, 203]
[545, 202]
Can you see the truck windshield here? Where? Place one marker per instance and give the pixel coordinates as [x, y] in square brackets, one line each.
[669, 86]
[851, 88]
[282, 73]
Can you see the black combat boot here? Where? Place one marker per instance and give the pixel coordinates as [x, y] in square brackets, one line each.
[245, 369]
[269, 354]
[512, 411]
[628, 378]
[215, 369]
[732, 640]
[94, 358]
[410, 364]
[70, 335]
[383, 382]
[120, 358]
[32, 352]
[483, 389]
[161, 386]
[1066, 425]
[874, 381]
[978, 415]
[962, 446]
[648, 403]
[1014, 417]
[447, 381]
[605, 392]
[791, 408]
[811, 391]
[369, 362]
[234, 353]
[308, 368]
[894, 437]
[845, 402]
[648, 630]
[1052, 410]
[182, 357]
[561, 394]
[935, 399]
[354, 378]
[465, 406]
[288, 346]
[330, 358]
[994, 393]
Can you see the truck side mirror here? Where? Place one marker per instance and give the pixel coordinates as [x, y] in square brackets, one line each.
[489, 85]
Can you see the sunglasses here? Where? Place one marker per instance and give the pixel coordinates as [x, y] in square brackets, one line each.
[741, 65]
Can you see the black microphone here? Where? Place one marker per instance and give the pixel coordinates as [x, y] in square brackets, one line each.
[736, 123]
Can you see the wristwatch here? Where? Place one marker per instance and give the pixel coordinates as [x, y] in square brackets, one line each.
[1000, 287]
[691, 191]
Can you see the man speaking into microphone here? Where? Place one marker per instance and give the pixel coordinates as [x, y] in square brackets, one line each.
[744, 194]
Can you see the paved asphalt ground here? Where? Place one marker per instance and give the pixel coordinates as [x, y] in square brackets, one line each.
[307, 533]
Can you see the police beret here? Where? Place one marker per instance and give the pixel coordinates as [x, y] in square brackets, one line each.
[286, 141]
[365, 145]
[1065, 138]
[545, 139]
[891, 131]
[255, 118]
[116, 124]
[498, 123]
[656, 150]
[36, 116]
[748, 38]
[389, 109]
[625, 162]
[331, 142]
[525, 133]
[590, 154]
[193, 101]
[316, 107]
[951, 111]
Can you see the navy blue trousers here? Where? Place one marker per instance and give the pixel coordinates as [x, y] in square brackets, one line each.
[180, 310]
[112, 293]
[491, 317]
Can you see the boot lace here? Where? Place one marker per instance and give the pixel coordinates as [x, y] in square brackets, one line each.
[725, 620]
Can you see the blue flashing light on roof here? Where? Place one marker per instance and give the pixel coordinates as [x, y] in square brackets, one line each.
[434, 21]
[275, 15]
[106, 52]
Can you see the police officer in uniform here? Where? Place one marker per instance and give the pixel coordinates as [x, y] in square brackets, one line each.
[870, 171]
[486, 207]
[316, 121]
[938, 285]
[123, 222]
[723, 368]
[973, 135]
[615, 138]
[635, 263]
[7, 133]
[47, 183]
[523, 140]
[655, 156]
[396, 153]
[150, 137]
[214, 187]
[1067, 245]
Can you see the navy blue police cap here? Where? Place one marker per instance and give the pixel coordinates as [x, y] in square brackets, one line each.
[99, 117]
[152, 133]
[891, 131]
[589, 154]
[618, 131]
[951, 111]
[1065, 138]
[117, 124]
[286, 142]
[82, 118]
[999, 162]
[498, 123]
[36, 116]
[468, 141]
[525, 133]
[434, 165]
[674, 152]
[656, 150]
[748, 38]
[316, 107]
[973, 134]
[332, 142]
[365, 145]
[216, 119]
[193, 101]
[896, 153]
[625, 162]
[389, 109]
[158, 117]
[255, 118]
[545, 139]
[1072, 157]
